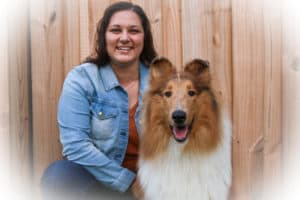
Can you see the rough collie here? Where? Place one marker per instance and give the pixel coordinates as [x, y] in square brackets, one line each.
[185, 149]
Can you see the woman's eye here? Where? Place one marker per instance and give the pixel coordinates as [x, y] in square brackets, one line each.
[191, 93]
[115, 30]
[134, 31]
[168, 93]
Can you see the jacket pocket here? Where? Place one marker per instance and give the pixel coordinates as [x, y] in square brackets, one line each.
[104, 120]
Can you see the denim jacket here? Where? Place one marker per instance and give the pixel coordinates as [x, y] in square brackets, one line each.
[93, 122]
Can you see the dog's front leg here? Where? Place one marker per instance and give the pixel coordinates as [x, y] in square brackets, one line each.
[137, 190]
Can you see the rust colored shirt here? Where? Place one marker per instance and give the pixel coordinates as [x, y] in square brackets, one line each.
[131, 155]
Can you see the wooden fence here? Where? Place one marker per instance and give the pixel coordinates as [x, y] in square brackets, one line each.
[253, 47]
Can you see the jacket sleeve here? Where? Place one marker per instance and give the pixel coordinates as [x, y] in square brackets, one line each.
[74, 125]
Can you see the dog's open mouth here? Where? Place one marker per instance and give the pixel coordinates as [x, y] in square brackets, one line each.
[180, 126]
[180, 133]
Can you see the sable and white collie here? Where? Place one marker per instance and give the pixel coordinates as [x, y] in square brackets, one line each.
[185, 149]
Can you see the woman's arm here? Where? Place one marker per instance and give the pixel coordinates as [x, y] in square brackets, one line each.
[74, 124]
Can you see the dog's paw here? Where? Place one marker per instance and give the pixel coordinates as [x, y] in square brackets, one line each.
[137, 190]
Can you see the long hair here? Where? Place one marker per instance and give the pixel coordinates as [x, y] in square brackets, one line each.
[100, 55]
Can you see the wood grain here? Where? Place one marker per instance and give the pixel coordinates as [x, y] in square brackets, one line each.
[5, 154]
[291, 94]
[273, 145]
[19, 96]
[248, 98]
[72, 38]
[95, 12]
[85, 45]
[172, 44]
[47, 53]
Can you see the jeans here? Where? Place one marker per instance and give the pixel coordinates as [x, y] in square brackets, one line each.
[64, 180]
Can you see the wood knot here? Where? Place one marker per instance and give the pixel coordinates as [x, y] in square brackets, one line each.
[52, 17]
[216, 39]
[257, 146]
[156, 19]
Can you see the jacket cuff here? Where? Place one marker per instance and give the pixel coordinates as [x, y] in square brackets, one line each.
[124, 180]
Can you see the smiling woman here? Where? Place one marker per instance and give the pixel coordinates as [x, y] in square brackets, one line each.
[125, 42]
[99, 110]
[124, 38]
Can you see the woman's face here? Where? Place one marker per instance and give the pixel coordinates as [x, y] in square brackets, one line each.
[124, 38]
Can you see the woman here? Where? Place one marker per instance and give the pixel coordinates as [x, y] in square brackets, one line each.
[99, 109]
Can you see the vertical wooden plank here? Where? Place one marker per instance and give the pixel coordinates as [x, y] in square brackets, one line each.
[171, 27]
[95, 11]
[19, 93]
[153, 10]
[85, 45]
[248, 98]
[206, 34]
[196, 29]
[291, 97]
[272, 95]
[5, 154]
[47, 55]
[221, 51]
[57, 26]
[72, 38]
[291, 80]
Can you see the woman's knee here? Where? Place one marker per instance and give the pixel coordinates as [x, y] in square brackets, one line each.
[64, 175]
[59, 171]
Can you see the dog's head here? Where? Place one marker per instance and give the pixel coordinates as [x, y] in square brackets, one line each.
[179, 95]
[179, 105]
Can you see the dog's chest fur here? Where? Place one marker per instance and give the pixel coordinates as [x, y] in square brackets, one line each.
[177, 176]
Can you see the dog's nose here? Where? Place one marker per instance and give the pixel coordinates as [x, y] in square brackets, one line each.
[178, 116]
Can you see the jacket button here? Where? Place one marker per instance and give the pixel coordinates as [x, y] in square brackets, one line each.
[118, 156]
[123, 133]
[100, 114]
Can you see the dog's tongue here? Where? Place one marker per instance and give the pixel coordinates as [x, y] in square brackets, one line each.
[180, 132]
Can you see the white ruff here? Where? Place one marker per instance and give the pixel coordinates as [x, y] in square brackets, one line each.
[177, 176]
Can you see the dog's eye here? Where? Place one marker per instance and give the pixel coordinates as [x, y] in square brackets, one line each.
[192, 93]
[168, 93]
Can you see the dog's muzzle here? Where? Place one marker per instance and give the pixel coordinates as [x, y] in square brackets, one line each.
[179, 117]
[179, 128]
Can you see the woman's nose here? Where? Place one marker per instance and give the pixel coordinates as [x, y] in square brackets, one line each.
[124, 36]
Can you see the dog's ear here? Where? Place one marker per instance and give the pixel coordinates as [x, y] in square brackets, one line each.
[200, 69]
[160, 67]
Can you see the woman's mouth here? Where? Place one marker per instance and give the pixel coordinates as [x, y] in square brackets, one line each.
[124, 49]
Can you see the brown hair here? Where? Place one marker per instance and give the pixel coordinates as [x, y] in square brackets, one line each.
[100, 56]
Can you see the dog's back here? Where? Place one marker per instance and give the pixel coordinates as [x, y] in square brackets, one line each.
[185, 143]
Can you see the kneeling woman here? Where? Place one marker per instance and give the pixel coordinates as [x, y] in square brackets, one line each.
[99, 110]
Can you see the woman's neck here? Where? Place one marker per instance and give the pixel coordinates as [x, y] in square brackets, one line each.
[126, 74]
